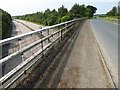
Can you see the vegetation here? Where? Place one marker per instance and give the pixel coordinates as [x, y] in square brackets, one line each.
[5, 24]
[5, 31]
[113, 12]
[113, 15]
[51, 17]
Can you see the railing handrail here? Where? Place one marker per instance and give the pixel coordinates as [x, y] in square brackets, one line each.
[17, 69]
[8, 40]
[26, 48]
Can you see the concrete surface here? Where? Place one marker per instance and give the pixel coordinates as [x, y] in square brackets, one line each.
[84, 68]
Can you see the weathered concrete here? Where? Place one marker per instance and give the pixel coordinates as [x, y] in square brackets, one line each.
[84, 68]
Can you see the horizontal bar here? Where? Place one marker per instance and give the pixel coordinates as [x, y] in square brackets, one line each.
[15, 70]
[30, 46]
[23, 50]
[12, 72]
[8, 40]
[21, 66]
[28, 61]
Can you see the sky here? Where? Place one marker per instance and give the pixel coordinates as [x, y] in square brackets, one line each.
[22, 7]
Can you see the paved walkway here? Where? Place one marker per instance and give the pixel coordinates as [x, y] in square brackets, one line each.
[84, 68]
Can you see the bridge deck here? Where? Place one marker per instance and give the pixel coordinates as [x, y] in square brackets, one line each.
[84, 68]
[78, 67]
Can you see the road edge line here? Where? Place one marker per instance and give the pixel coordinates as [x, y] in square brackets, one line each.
[107, 71]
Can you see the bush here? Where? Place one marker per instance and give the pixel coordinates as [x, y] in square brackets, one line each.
[65, 18]
[6, 24]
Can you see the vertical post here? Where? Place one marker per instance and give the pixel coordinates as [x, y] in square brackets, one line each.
[52, 37]
[61, 34]
[42, 45]
[58, 36]
[66, 26]
[22, 57]
[48, 32]
[42, 49]
[1, 34]
[65, 29]
[1, 86]
[48, 40]
[1, 70]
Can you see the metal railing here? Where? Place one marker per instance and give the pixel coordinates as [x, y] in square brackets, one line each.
[36, 44]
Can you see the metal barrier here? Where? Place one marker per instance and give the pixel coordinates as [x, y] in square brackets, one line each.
[30, 48]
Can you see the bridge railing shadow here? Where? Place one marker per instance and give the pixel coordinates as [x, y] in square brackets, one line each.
[32, 46]
[48, 73]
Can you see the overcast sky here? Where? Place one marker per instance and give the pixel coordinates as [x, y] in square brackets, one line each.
[21, 7]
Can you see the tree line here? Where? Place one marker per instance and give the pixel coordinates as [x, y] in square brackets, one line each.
[51, 17]
[5, 24]
[115, 11]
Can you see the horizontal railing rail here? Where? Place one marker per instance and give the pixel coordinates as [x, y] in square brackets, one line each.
[8, 40]
[13, 75]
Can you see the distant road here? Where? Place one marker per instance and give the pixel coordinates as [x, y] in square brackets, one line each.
[107, 36]
[19, 27]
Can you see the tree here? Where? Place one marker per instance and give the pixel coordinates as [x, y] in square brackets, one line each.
[6, 24]
[47, 12]
[90, 10]
[62, 11]
[65, 18]
[82, 9]
[75, 11]
[87, 12]
[50, 17]
[112, 12]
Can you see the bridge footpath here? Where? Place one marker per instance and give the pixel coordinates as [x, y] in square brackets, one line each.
[84, 68]
[77, 65]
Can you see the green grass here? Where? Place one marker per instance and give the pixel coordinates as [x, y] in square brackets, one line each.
[115, 17]
[111, 19]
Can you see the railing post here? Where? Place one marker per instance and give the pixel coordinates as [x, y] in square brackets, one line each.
[65, 29]
[42, 45]
[1, 86]
[22, 57]
[24, 66]
[61, 34]
[48, 32]
[66, 26]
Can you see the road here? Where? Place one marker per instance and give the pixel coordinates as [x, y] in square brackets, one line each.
[20, 27]
[31, 25]
[107, 36]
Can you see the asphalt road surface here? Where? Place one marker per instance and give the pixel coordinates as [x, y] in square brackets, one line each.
[17, 29]
[22, 27]
[107, 37]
